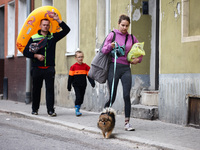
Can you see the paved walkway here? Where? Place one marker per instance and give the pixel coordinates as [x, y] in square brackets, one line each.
[155, 133]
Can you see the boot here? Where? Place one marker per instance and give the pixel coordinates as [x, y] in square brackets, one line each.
[77, 107]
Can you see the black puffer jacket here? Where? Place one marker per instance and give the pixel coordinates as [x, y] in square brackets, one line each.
[49, 50]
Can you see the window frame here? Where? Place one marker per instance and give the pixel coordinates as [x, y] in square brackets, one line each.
[73, 21]
[11, 30]
[185, 24]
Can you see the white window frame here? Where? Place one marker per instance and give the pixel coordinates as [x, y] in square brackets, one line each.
[22, 15]
[73, 23]
[185, 24]
[108, 19]
[47, 2]
[11, 30]
[103, 22]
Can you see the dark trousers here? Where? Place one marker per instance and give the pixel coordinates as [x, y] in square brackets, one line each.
[123, 72]
[38, 75]
[79, 92]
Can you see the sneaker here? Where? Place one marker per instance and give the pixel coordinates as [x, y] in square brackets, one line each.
[52, 114]
[128, 127]
[77, 110]
[34, 113]
[78, 114]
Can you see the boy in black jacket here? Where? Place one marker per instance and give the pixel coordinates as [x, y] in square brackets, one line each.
[77, 78]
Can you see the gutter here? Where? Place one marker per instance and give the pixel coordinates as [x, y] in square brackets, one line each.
[157, 45]
[28, 64]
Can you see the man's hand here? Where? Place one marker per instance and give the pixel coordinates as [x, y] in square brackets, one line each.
[55, 17]
[39, 57]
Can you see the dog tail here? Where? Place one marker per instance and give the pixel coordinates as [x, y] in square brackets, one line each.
[109, 110]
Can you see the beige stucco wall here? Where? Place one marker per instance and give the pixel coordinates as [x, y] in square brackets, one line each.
[179, 59]
[141, 28]
[175, 56]
[88, 29]
[61, 61]
[37, 3]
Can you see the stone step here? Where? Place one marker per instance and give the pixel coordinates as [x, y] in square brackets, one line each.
[144, 112]
[149, 98]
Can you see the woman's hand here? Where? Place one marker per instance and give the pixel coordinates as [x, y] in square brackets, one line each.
[113, 44]
[134, 60]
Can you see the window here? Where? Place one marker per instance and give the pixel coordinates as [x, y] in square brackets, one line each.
[103, 21]
[22, 14]
[11, 29]
[47, 2]
[190, 24]
[73, 23]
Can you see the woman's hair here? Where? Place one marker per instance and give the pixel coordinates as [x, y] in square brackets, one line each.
[78, 52]
[123, 17]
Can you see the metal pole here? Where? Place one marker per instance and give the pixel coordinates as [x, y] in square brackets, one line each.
[5, 88]
[157, 45]
[28, 65]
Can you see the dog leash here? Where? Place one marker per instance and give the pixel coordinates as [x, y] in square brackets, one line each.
[115, 62]
[113, 82]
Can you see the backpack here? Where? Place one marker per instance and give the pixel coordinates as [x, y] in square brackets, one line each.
[100, 64]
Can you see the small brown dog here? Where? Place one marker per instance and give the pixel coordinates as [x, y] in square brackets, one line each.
[107, 121]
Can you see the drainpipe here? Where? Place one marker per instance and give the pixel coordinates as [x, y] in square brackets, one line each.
[157, 45]
[28, 64]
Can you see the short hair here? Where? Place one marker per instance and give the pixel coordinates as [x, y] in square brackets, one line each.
[45, 20]
[123, 17]
[78, 52]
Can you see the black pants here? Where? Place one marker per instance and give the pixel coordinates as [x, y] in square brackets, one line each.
[123, 72]
[38, 75]
[79, 92]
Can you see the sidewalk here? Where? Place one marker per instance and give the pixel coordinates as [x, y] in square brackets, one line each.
[155, 133]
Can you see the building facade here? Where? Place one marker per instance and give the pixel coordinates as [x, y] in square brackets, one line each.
[169, 29]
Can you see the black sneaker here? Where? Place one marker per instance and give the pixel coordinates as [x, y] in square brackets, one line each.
[34, 113]
[52, 114]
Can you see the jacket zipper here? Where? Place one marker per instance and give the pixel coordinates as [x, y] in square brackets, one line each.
[45, 56]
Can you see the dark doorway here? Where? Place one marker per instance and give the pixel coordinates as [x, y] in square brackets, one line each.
[194, 112]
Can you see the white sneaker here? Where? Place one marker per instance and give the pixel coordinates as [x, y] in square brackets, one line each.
[128, 127]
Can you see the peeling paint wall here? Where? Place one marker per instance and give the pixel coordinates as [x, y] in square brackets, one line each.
[179, 61]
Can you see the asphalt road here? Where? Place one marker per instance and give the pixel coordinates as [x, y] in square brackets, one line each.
[24, 134]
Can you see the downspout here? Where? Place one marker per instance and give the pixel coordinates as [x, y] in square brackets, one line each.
[28, 64]
[108, 30]
[157, 45]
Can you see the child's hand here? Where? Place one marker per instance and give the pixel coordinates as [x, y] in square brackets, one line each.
[69, 89]
[93, 85]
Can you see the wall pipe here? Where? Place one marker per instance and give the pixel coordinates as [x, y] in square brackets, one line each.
[157, 45]
[28, 64]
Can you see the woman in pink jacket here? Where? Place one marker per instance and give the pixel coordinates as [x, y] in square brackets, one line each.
[123, 70]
